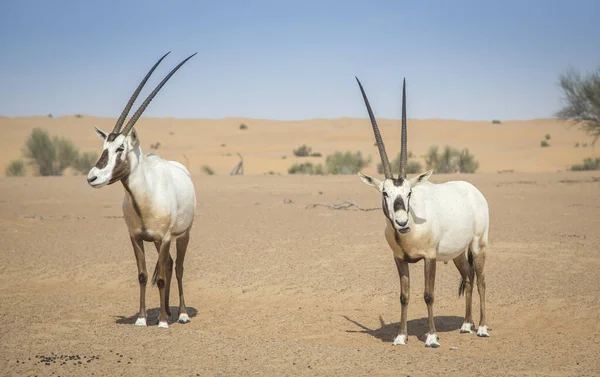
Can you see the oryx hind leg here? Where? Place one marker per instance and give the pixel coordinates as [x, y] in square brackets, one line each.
[182, 244]
[169, 275]
[465, 267]
[478, 254]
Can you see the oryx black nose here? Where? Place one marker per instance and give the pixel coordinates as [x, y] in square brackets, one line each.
[91, 179]
[401, 224]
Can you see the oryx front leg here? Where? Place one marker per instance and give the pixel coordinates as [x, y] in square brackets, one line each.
[140, 258]
[478, 264]
[403, 273]
[466, 286]
[182, 243]
[163, 280]
[432, 338]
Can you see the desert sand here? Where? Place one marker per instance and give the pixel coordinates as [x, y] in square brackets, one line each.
[278, 289]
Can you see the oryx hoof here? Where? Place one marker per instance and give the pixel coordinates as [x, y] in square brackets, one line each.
[482, 332]
[432, 341]
[163, 324]
[141, 321]
[400, 340]
[467, 328]
[184, 318]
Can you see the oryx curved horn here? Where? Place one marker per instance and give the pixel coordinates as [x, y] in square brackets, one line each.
[134, 96]
[387, 171]
[150, 97]
[403, 151]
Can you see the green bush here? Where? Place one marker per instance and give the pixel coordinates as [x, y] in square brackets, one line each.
[243, 127]
[302, 151]
[412, 166]
[315, 154]
[306, 168]
[547, 136]
[588, 164]
[85, 162]
[345, 163]
[544, 144]
[50, 156]
[496, 121]
[15, 168]
[577, 145]
[450, 160]
[208, 170]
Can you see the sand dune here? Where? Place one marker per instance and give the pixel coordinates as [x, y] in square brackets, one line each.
[512, 145]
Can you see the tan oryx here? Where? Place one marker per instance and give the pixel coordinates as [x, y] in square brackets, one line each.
[431, 222]
[159, 203]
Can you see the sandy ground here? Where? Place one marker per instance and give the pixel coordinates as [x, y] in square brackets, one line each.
[277, 289]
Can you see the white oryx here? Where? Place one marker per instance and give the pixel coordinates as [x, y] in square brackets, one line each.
[159, 203]
[433, 222]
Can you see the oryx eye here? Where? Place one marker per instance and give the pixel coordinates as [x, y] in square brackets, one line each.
[385, 194]
[121, 148]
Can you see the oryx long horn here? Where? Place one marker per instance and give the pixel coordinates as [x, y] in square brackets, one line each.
[134, 96]
[146, 102]
[403, 150]
[387, 171]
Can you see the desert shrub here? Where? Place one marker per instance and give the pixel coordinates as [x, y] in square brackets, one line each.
[547, 137]
[584, 145]
[243, 127]
[544, 144]
[85, 161]
[51, 156]
[496, 121]
[306, 168]
[412, 166]
[576, 145]
[79, 116]
[155, 145]
[16, 168]
[208, 170]
[346, 163]
[316, 154]
[302, 151]
[467, 162]
[50, 116]
[588, 164]
[450, 160]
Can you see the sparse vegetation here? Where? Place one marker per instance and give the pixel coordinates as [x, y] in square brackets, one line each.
[85, 161]
[346, 163]
[51, 156]
[155, 145]
[412, 166]
[16, 168]
[50, 116]
[544, 144]
[547, 136]
[588, 164]
[576, 145]
[450, 160]
[283, 157]
[78, 116]
[243, 127]
[496, 121]
[306, 168]
[208, 170]
[584, 145]
[581, 101]
[302, 151]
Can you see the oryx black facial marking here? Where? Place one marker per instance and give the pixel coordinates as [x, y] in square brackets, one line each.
[101, 164]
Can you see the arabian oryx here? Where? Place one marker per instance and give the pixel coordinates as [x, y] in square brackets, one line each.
[433, 222]
[159, 203]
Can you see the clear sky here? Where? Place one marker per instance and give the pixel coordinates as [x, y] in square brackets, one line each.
[288, 60]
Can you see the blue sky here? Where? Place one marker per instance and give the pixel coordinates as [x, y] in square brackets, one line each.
[288, 60]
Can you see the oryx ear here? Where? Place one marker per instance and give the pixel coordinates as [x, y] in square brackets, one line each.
[100, 133]
[423, 177]
[134, 137]
[368, 180]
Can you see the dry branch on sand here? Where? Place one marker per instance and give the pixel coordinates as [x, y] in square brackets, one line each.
[347, 204]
